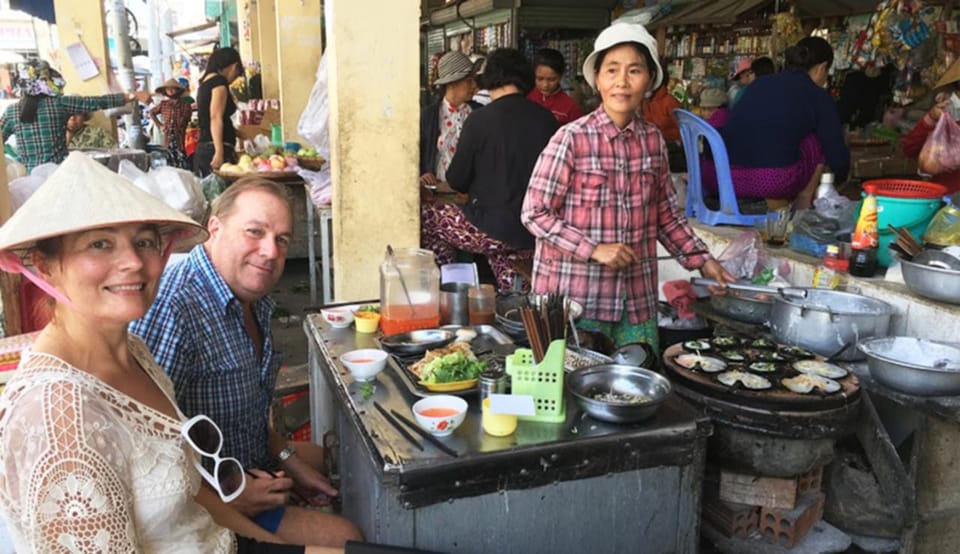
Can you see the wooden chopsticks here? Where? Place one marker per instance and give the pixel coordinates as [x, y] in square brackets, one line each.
[906, 241]
[545, 323]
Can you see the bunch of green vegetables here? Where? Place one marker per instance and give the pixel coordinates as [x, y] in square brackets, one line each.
[451, 368]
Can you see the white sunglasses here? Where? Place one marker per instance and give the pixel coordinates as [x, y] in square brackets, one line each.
[203, 435]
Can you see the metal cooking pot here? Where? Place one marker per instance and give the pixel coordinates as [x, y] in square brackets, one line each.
[932, 282]
[915, 366]
[749, 307]
[826, 320]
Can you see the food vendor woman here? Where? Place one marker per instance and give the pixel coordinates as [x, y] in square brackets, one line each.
[946, 99]
[600, 198]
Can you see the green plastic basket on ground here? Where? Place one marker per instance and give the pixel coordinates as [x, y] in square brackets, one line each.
[543, 381]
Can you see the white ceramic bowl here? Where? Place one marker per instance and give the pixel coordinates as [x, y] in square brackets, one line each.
[364, 364]
[338, 318]
[449, 413]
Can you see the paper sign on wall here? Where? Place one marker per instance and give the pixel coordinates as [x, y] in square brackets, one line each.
[82, 62]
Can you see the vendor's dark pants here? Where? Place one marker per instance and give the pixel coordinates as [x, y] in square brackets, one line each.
[204, 155]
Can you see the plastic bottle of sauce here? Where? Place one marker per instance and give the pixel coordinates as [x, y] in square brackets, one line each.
[863, 259]
[830, 273]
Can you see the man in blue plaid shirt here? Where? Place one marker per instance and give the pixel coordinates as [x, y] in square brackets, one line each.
[209, 328]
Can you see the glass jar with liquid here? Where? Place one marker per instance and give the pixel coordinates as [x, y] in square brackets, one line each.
[409, 291]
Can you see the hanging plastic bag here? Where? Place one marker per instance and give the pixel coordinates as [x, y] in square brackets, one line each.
[314, 125]
[941, 152]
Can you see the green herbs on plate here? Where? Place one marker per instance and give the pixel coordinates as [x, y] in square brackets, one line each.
[451, 368]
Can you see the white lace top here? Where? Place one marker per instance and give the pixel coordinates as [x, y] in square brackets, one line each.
[86, 468]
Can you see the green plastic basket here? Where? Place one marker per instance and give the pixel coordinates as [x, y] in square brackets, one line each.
[543, 381]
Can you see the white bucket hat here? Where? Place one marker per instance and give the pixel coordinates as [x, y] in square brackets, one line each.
[83, 194]
[619, 33]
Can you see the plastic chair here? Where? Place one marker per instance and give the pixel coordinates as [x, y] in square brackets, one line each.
[692, 128]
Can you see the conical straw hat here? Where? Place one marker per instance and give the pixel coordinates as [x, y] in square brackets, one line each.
[83, 194]
[952, 75]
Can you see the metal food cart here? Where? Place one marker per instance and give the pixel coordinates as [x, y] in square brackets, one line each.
[582, 485]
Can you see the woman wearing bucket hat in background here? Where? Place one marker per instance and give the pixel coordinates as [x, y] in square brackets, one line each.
[783, 130]
[39, 119]
[175, 113]
[601, 197]
[946, 98]
[441, 122]
[91, 453]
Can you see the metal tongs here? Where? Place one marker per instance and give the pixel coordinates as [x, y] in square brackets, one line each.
[403, 283]
[786, 292]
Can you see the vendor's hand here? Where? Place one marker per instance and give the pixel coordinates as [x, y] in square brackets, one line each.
[263, 492]
[615, 255]
[312, 485]
[428, 179]
[217, 160]
[142, 96]
[940, 103]
[713, 270]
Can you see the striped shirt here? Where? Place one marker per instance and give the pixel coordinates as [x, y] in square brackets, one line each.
[595, 184]
[196, 332]
[45, 140]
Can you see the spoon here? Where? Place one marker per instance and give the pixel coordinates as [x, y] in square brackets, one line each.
[403, 283]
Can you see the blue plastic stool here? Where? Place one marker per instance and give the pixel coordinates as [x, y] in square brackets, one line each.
[692, 128]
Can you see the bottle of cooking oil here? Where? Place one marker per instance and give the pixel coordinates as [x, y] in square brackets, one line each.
[831, 273]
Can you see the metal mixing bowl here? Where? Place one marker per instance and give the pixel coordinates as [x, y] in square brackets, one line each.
[932, 282]
[915, 366]
[621, 379]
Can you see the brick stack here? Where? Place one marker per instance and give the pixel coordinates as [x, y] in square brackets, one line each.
[780, 511]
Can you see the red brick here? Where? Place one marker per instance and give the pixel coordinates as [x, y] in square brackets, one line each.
[788, 527]
[733, 520]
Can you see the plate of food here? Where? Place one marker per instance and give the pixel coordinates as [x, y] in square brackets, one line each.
[449, 369]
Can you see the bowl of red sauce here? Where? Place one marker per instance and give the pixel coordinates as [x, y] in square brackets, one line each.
[440, 414]
[364, 364]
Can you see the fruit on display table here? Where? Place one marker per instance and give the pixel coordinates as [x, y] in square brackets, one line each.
[266, 161]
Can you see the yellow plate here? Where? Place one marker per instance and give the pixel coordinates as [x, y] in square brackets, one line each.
[450, 387]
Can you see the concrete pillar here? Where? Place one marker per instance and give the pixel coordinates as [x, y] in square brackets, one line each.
[247, 28]
[9, 282]
[268, 57]
[83, 21]
[300, 38]
[374, 136]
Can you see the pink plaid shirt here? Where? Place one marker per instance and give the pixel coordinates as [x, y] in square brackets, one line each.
[597, 184]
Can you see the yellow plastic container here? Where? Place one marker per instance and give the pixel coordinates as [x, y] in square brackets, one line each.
[366, 322]
[498, 425]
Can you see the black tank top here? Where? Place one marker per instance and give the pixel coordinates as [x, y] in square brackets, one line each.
[204, 93]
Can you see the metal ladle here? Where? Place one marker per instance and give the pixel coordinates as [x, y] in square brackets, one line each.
[403, 283]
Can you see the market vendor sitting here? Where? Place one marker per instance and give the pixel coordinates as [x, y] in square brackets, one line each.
[783, 130]
[497, 151]
[442, 121]
[601, 197]
[947, 98]
[81, 134]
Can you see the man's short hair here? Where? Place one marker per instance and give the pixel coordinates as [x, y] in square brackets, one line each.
[507, 66]
[223, 204]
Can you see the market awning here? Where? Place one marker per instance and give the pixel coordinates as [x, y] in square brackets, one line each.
[42, 9]
[716, 13]
[722, 12]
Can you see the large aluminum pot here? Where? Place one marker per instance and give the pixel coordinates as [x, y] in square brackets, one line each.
[826, 320]
[915, 366]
